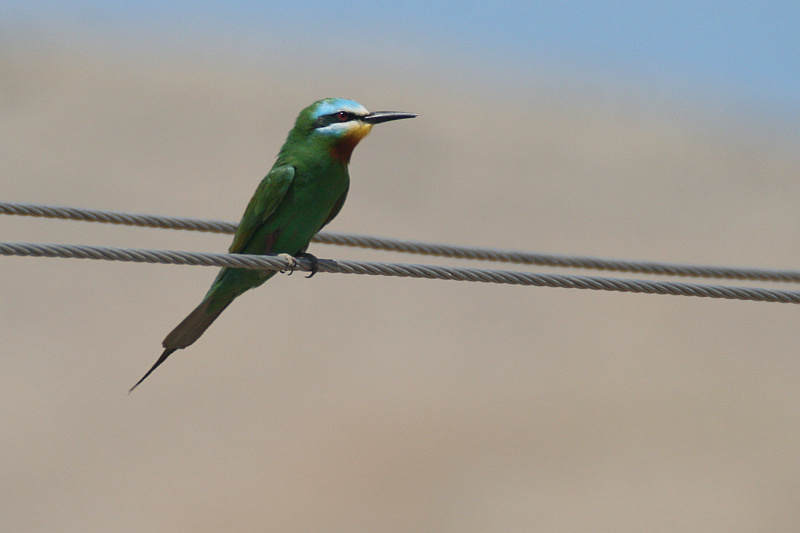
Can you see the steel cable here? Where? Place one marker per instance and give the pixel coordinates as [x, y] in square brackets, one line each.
[402, 270]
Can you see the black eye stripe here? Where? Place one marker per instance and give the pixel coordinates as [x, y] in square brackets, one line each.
[334, 118]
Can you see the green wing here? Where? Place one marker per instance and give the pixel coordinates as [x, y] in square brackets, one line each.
[263, 204]
[336, 208]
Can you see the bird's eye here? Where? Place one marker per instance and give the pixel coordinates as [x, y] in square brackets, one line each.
[343, 116]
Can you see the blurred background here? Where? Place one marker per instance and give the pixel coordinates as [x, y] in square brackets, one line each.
[657, 131]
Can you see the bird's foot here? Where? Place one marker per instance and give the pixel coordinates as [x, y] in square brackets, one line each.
[292, 260]
[289, 258]
[314, 262]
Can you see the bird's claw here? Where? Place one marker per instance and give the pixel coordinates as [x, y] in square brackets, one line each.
[314, 263]
[292, 260]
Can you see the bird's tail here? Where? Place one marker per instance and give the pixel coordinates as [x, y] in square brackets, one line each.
[193, 326]
[189, 330]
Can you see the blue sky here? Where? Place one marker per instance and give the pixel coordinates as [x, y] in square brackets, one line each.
[746, 50]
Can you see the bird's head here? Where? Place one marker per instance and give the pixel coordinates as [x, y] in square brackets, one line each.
[340, 124]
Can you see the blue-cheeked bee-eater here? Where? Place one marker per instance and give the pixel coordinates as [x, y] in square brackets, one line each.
[304, 190]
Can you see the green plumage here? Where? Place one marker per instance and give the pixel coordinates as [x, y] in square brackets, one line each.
[304, 190]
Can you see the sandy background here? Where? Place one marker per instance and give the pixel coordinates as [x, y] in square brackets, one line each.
[347, 403]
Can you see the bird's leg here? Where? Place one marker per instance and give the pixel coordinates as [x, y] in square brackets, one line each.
[292, 260]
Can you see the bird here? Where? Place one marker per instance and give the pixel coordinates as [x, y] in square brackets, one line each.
[305, 189]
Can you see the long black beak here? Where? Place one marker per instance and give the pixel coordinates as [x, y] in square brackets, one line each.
[385, 116]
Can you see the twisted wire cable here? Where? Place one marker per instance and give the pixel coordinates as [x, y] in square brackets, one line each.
[113, 217]
[270, 262]
[394, 245]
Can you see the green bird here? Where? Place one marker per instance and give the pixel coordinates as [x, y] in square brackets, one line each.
[305, 190]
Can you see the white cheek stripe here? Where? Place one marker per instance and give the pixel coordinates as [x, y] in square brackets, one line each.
[338, 128]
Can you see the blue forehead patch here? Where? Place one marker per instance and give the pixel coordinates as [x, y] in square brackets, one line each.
[333, 105]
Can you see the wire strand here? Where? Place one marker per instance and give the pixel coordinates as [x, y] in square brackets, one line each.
[271, 262]
[393, 245]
